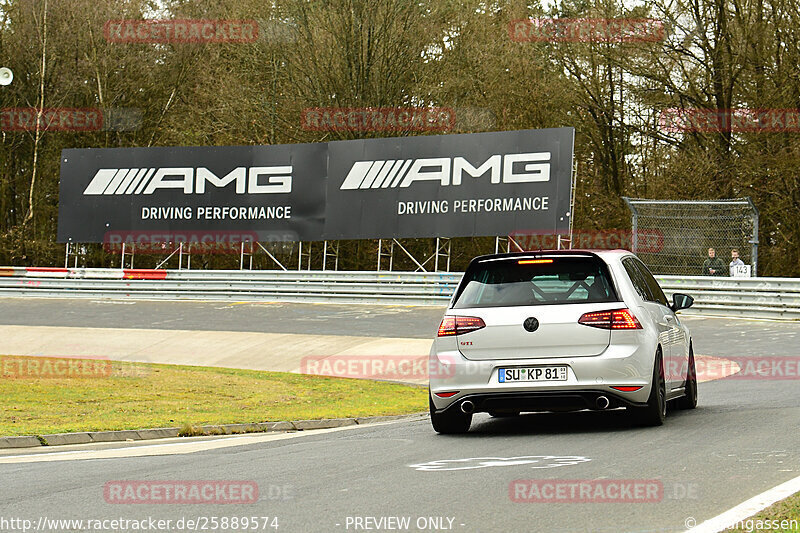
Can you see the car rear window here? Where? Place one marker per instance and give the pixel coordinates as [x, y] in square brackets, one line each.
[522, 281]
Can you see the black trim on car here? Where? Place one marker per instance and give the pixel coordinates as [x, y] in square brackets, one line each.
[533, 401]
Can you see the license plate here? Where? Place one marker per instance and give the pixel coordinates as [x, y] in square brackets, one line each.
[534, 373]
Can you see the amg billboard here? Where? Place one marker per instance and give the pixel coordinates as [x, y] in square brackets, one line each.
[450, 185]
[446, 185]
[275, 192]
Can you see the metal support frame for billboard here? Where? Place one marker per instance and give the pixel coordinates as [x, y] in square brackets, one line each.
[71, 250]
[572, 187]
[301, 255]
[441, 254]
[506, 241]
[334, 252]
[381, 254]
[178, 250]
[274, 259]
[420, 266]
[442, 243]
[243, 252]
[252, 251]
[122, 255]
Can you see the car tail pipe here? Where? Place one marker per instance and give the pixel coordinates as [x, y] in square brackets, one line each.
[602, 402]
[467, 407]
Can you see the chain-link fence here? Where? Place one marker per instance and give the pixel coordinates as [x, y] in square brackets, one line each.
[686, 229]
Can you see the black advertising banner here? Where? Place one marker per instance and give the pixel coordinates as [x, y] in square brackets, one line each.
[174, 194]
[477, 184]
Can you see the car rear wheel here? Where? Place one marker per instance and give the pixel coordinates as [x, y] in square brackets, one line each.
[449, 422]
[689, 401]
[656, 410]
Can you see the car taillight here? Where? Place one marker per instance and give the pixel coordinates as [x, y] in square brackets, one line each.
[616, 319]
[459, 325]
[534, 261]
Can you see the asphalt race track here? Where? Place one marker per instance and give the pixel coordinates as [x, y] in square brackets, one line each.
[712, 336]
[739, 442]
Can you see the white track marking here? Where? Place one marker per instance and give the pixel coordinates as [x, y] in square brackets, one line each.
[745, 510]
[539, 461]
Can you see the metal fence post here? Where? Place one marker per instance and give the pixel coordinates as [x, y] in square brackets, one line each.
[634, 224]
[754, 240]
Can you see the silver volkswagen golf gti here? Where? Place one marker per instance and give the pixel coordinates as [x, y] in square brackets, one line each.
[560, 331]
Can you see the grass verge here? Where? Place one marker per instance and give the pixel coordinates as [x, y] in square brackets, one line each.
[777, 518]
[138, 395]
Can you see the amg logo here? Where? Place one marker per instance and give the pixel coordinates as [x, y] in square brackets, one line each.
[447, 171]
[193, 181]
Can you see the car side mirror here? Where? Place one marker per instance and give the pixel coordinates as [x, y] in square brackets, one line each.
[681, 301]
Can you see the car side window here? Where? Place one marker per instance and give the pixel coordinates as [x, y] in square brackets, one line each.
[658, 295]
[636, 278]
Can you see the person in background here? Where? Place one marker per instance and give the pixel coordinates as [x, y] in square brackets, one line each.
[713, 266]
[735, 261]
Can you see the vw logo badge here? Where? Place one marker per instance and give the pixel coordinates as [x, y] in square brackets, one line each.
[531, 324]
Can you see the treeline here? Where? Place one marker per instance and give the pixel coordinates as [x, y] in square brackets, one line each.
[464, 55]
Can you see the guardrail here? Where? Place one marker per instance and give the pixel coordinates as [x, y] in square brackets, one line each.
[777, 298]
[401, 288]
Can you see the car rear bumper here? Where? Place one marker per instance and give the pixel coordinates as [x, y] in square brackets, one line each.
[626, 365]
[531, 401]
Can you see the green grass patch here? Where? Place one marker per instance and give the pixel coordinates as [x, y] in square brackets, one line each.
[777, 518]
[138, 396]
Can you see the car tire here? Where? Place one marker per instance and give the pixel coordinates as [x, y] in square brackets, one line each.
[449, 422]
[656, 410]
[689, 401]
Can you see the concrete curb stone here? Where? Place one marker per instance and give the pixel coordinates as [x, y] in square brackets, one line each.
[325, 423]
[86, 437]
[19, 442]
